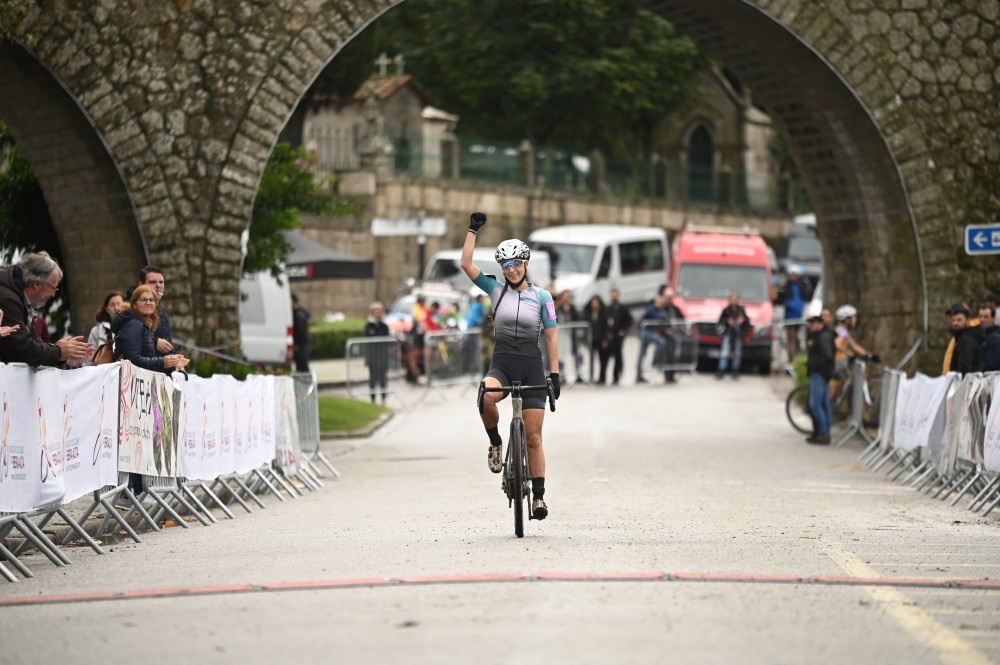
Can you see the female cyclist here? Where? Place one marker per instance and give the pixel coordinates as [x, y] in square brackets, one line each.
[520, 312]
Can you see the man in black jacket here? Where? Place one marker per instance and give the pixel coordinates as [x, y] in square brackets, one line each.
[733, 326]
[25, 288]
[819, 365]
[990, 361]
[968, 341]
[619, 321]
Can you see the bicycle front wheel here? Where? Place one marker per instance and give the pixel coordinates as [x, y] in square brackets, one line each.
[797, 409]
[518, 460]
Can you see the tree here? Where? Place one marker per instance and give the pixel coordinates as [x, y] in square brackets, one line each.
[287, 189]
[583, 73]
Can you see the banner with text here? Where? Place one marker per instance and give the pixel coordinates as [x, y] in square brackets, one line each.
[918, 403]
[991, 440]
[149, 404]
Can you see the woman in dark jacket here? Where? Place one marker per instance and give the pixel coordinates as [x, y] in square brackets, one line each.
[599, 337]
[377, 353]
[134, 332]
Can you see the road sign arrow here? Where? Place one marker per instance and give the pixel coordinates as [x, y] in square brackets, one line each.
[979, 239]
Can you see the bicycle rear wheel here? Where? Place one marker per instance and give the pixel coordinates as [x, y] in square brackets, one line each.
[797, 409]
[518, 462]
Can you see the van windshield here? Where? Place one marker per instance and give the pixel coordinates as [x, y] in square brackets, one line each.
[804, 248]
[705, 280]
[566, 258]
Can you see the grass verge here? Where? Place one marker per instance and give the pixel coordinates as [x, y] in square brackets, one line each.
[342, 414]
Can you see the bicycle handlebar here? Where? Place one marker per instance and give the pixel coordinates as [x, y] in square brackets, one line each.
[517, 389]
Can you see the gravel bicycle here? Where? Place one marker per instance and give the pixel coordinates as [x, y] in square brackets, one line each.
[516, 476]
[797, 402]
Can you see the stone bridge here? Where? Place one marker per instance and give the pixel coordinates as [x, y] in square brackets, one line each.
[149, 125]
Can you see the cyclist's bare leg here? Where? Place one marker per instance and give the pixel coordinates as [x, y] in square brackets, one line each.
[533, 419]
[491, 414]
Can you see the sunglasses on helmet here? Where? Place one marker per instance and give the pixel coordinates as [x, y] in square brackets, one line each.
[512, 263]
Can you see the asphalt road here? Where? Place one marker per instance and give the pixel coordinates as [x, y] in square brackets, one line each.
[688, 523]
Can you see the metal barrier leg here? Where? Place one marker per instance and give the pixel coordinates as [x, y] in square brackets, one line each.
[239, 481]
[7, 574]
[989, 509]
[984, 494]
[267, 483]
[953, 485]
[186, 491]
[322, 458]
[80, 531]
[14, 561]
[224, 483]
[110, 512]
[210, 496]
[42, 542]
[965, 488]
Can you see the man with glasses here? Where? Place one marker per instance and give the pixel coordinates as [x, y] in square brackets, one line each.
[24, 289]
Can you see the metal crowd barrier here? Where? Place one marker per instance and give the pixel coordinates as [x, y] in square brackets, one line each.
[675, 345]
[453, 357]
[574, 339]
[307, 411]
[781, 353]
[374, 367]
[959, 452]
[859, 400]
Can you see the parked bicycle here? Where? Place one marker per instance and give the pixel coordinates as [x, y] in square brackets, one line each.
[516, 476]
[797, 402]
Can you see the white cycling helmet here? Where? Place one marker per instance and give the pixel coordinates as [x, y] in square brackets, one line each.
[512, 249]
[846, 312]
[814, 310]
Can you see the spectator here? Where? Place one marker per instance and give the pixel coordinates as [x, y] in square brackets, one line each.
[25, 287]
[672, 316]
[821, 353]
[416, 351]
[567, 313]
[477, 312]
[100, 334]
[377, 353]
[153, 277]
[733, 327]
[301, 342]
[990, 360]
[42, 329]
[968, 348]
[135, 329]
[598, 337]
[794, 296]
[619, 321]
[650, 334]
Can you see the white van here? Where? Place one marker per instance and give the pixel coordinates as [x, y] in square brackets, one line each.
[445, 266]
[266, 319]
[590, 259]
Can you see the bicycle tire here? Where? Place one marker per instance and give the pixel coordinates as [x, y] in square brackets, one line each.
[517, 454]
[797, 409]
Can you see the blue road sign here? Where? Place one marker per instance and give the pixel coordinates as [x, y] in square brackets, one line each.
[982, 239]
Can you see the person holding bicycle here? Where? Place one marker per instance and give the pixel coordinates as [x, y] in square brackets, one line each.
[847, 348]
[521, 311]
[821, 351]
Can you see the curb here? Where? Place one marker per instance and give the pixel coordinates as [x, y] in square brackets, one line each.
[359, 433]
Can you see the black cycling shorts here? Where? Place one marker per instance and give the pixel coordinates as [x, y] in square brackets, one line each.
[507, 367]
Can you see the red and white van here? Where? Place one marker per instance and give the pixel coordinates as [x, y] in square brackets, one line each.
[708, 264]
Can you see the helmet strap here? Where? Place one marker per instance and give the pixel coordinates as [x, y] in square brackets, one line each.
[518, 285]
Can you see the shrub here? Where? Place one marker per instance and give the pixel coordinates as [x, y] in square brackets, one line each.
[329, 340]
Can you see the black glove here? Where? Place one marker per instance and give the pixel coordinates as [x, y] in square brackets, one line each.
[476, 221]
[874, 357]
[554, 378]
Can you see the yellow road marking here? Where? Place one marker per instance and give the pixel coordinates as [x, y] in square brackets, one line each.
[950, 648]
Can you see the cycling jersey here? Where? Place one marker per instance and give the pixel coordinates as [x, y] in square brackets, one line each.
[520, 317]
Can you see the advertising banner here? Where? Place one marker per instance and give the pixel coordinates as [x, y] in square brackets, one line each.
[199, 430]
[991, 441]
[919, 402]
[288, 449]
[30, 471]
[89, 428]
[149, 428]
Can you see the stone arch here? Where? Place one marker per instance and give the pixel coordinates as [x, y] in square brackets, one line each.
[87, 199]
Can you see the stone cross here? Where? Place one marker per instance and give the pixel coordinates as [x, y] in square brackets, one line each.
[398, 60]
[383, 63]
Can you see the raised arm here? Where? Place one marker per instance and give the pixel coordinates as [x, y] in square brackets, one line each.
[476, 222]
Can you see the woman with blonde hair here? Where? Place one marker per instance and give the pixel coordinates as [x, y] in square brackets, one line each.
[377, 352]
[134, 329]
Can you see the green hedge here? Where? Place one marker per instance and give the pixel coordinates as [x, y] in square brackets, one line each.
[330, 339]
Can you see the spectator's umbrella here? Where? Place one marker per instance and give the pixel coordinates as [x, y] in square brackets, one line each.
[310, 260]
